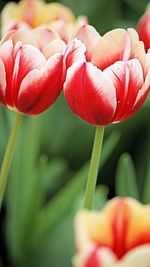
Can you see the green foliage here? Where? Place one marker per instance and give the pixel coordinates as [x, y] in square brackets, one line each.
[31, 217]
[47, 178]
[126, 182]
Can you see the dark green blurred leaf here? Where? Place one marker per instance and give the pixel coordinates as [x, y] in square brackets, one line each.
[110, 145]
[137, 6]
[126, 182]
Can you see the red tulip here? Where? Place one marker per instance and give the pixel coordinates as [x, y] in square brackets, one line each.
[32, 72]
[107, 78]
[117, 236]
[144, 28]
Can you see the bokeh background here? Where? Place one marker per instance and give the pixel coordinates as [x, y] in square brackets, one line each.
[47, 178]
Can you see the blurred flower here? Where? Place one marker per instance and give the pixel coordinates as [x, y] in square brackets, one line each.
[107, 79]
[118, 236]
[32, 72]
[143, 28]
[33, 13]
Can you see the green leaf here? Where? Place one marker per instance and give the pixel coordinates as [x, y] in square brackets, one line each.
[59, 206]
[146, 190]
[110, 145]
[101, 196]
[24, 191]
[62, 202]
[126, 182]
[53, 173]
[146, 187]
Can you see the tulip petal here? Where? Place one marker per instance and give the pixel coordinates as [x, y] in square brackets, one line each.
[43, 36]
[90, 93]
[128, 80]
[2, 82]
[139, 257]
[113, 46]
[143, 30]
[27, 58]
[100, 257]
[40, 88]
[90, 37]
[23, 36]
[90, 225]
[55, 46]
[6, 55]
[138, 228]
[54, 11]
[142, 95]
[116, 211]
[10, 10]
[95, 257]
[29, 9]
[75, 52]
[137, 49]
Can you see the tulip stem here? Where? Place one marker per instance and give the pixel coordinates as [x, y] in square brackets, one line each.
[94, 166]
[8, 156]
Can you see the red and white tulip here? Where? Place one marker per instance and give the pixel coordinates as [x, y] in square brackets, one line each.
[117, 236]
[32, 70]
[108, 77]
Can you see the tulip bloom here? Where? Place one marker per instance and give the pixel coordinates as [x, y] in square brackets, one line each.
[32, 70]
[34, 13]
[107, 78]
[143, 28]
[118, 236]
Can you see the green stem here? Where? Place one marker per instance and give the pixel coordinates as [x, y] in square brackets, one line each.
[8, 156]
[94, 166]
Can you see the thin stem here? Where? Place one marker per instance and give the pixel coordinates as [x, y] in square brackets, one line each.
[8, 156]
[94, 166]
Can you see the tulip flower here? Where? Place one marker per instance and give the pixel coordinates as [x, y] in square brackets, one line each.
[32, 71]
[108, 79]
[117, 236]
[34, 13]
[143, 28]
[31, 78]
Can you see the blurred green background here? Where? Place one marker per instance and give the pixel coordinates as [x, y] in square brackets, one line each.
[48, 174]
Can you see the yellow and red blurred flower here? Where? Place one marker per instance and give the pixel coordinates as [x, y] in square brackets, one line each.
[143, 28]
[118, 236]
[34, 13]
[108, 77]
[32, 70]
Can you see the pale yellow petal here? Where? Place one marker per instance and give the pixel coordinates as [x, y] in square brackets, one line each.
[137, 49]
[56, 46]
[54, 11]
[93, 226]
[113, 46]
[138, 257]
